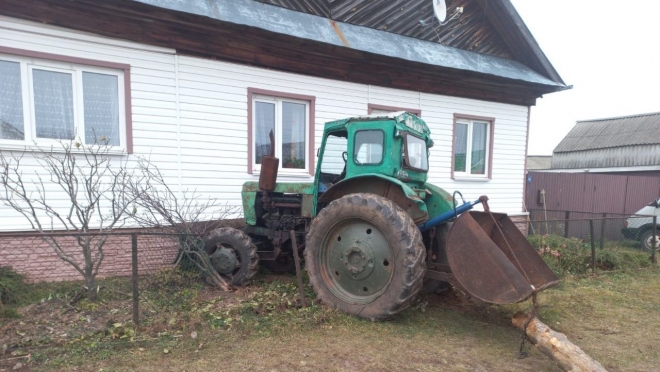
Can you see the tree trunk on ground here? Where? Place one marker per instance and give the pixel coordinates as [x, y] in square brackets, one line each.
[568, 356]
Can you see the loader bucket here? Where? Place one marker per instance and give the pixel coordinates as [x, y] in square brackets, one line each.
[493, 261]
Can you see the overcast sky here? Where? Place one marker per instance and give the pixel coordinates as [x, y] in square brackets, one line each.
[608, 50]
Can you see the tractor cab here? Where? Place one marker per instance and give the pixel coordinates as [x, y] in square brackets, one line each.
[391, 145]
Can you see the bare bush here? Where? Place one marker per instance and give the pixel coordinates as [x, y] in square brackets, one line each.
[93, 181]
[186, 214]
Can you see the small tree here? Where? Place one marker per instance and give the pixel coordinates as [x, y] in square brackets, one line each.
[94, 182]
[186, 214]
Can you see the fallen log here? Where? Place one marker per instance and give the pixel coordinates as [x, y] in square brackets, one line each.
[568, 356]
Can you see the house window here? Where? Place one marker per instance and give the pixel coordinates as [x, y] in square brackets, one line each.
[288, 117]
[42, 100]
[383, 110]
[472, 155]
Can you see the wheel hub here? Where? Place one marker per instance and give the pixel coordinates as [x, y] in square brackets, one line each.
[224, 260]
[357, 260]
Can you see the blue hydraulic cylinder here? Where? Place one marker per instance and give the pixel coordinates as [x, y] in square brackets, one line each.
[440, 219]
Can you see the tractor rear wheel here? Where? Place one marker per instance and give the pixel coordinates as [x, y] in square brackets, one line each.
[232, 254]
[365, 256]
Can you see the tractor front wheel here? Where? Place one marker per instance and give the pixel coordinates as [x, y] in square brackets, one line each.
[232, 254]
[365, 256]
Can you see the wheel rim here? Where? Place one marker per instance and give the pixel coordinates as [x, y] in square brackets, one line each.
[223, 254]
[356, 261]
[649, 242]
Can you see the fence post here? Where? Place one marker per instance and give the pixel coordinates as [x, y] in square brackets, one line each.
[602, 231]
[654, 241]
[134, 279]
[566, 218]
[593, 246]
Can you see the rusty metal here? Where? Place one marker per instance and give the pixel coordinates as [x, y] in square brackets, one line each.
[296, 259]
[269, 168]
[471, 32]
[493, 260]
[343, 39]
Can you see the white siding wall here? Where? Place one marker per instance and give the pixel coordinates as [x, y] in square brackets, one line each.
[190, 116]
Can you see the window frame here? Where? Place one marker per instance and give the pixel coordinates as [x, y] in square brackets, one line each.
[263, 95]
[406, 162]
[355, 149]
[470, 119]
[30, 60]
[372, 106]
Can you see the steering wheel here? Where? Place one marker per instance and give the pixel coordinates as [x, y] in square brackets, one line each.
[344, 155]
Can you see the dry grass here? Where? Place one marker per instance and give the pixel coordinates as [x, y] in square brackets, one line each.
[613, 317]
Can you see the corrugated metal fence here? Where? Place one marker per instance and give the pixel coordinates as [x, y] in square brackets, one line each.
[590, 193]
[567, 196]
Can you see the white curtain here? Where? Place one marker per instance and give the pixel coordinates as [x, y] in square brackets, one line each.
[264, 118]
[11, 101]
[53, 104]
[479, 148]
[101, 105]
[293, 135]
[460, 149]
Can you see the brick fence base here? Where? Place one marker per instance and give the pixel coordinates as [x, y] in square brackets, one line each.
[32, 257]
[522, 222]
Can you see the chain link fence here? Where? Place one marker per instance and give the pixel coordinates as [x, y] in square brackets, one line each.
[552, 232]
[144, 272]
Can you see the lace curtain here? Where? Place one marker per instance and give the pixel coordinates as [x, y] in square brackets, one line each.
[479, 148]
[293, 135]
[101, 106]
[53, 104]
[264, 118]
[11, 101]
[460, 155]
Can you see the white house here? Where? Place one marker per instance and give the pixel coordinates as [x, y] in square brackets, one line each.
[196, 85]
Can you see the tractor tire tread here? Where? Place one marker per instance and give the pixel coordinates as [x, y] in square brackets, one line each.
[245, 247]
[401, 291]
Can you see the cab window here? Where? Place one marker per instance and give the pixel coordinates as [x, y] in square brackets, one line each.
[369, 146]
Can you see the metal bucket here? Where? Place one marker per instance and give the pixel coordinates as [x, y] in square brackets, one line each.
[493, 261]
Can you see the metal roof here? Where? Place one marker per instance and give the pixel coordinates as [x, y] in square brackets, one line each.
[491, 27]
[536, 162]
[643, 129]
[319, 29]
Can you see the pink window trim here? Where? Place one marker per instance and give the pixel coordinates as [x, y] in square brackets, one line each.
[312, 120]
[490, 141]
[371, 107]
[89, 62]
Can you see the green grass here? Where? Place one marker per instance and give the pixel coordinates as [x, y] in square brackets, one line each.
[611, 316]
[571, 256]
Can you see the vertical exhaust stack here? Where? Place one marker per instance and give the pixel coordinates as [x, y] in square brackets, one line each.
[268, 176]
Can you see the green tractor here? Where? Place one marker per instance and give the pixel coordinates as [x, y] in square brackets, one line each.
[374, 231]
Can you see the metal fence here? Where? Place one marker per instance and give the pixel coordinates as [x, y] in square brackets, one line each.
[598, 230]
[150, 264]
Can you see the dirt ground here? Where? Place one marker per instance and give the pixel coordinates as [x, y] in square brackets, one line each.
[613, 317]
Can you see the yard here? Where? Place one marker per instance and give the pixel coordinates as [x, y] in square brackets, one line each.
[611, 315]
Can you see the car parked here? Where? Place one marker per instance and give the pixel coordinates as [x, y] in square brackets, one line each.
[640, 228]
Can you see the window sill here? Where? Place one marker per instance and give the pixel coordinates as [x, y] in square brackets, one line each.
[52, 148]
[471, 179]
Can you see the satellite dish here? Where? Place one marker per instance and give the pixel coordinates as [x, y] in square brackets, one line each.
[440, 10]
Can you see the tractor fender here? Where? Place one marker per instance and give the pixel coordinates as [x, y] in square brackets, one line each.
[391, 188]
